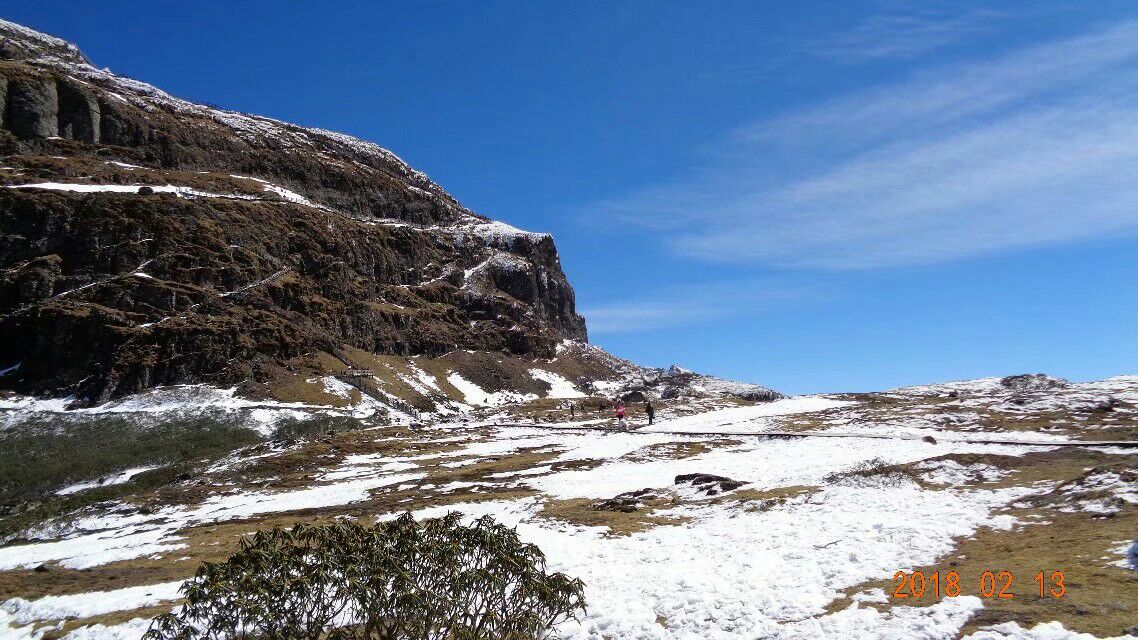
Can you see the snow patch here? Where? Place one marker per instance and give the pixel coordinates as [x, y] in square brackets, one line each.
[118, 478]
[94, 603]
[476, 396]
[749, 418]
[559, 387]
[124, 536]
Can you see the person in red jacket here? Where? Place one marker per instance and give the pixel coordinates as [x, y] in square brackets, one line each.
[620, 413]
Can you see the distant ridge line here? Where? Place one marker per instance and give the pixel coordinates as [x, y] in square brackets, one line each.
[820, 434]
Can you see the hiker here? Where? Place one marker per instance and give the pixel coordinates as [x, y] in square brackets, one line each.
[620, 412]
[650, 410]
[572, 410]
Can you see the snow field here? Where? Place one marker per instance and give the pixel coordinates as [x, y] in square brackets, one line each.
[723, 571]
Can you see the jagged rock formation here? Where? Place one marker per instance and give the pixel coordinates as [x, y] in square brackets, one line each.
[146, 240]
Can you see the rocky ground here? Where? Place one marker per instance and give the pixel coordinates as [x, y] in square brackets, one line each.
[677, 531]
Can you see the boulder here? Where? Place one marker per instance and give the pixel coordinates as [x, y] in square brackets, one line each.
[709, 484]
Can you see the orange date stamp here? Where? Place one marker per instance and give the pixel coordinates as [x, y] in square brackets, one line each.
[989, 584]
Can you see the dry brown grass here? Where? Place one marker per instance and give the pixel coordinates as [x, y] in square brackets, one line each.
[580, 511]
[521, 460]
[214, 542]
[289, 469]
[878, 468]
[762, 499]
[669, 451]
[108, 619]
[1100, 599]
[304, 389]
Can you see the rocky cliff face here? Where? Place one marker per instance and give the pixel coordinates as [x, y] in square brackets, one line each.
[146, 240]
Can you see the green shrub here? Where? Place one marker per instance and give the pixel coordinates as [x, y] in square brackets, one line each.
[38, 457]
[431, 580]
[315, 425]
[889, 474]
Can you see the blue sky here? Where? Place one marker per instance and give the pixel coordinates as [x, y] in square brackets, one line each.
[816, 196]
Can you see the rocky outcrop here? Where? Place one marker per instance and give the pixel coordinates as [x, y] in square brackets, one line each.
[1033, 382]
[708, 484]
[172, 242]
[31, 108]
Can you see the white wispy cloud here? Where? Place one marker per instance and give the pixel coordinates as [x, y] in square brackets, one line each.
[1037, 147]
[695, 304]
[905, 29]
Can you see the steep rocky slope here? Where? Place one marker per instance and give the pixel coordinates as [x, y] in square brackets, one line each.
[146, 240]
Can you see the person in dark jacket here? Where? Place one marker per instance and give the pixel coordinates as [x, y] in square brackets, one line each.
[650, 410]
